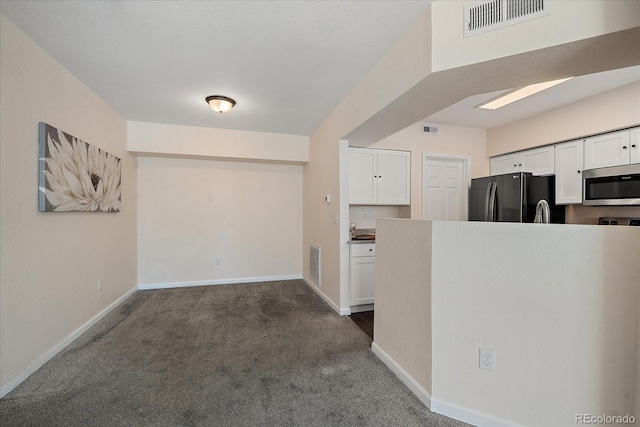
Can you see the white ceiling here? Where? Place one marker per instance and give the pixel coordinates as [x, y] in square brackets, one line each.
[286, 63]
[464, 112]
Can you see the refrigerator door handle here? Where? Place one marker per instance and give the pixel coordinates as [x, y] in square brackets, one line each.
[492, 202]
[487, 198]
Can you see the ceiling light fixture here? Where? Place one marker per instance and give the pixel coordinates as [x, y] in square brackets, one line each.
[219, 103]
[519, 94]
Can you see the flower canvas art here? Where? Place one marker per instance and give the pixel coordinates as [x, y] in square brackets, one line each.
[74, 175]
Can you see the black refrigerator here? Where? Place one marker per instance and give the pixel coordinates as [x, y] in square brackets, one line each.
[512, 197]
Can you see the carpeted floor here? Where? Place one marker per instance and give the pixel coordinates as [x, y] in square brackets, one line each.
[260, 354]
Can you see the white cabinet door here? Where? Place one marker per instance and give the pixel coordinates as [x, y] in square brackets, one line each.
[568, 165]
[363, 186]
[379, 177]
[506, 163]
[538, 161]
[611, 149]
[362, 272]
[634, 137]
[393, 177]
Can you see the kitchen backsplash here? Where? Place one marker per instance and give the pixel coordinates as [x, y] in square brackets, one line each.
[578, 214]
[365, 216]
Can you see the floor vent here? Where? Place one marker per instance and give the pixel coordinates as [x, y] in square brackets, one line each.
[490, 15]
[314, 263]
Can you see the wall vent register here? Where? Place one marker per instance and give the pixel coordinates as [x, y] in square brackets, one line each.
[494, 14]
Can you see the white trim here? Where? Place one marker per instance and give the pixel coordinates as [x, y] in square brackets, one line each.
[435, 405]
[334, 307]
[344, 297]
[467, 415]
[15, 381]
[148, 286]
[404, 376]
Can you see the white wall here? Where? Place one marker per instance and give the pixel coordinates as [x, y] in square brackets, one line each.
[191, 212]
[450, 140]
[51, 262]
[569, 21]
[191, 141]
[557, 303]
[365, 216]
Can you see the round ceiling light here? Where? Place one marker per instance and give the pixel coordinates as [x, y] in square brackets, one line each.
[220, 103]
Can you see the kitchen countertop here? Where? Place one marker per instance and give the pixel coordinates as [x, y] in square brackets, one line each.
[356, 242]
[368, 232]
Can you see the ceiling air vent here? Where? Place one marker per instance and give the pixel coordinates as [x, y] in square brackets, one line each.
[491, 15]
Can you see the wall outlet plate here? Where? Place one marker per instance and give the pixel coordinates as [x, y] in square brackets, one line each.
[487, 359]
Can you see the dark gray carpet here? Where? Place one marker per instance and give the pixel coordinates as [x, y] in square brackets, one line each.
[260, 354]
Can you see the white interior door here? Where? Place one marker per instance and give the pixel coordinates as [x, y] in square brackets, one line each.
[445, 188]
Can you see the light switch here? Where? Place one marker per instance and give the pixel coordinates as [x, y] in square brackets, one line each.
[327, 198]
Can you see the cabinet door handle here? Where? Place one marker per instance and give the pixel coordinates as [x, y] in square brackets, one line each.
[624, 147]
[633, 146]
[370, 250]
[579, 172]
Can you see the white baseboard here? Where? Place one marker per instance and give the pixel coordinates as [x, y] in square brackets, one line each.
[148, 286]
[334, 307]
[435, 405]
[15, 381]
[420, 392]
[467, 415]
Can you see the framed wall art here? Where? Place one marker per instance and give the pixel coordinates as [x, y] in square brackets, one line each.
[74, 176]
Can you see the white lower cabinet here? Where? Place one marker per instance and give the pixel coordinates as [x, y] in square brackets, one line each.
[362, 269]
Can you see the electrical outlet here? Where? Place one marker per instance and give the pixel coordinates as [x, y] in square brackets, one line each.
[487, 359]
[218, 261]
[99, 284]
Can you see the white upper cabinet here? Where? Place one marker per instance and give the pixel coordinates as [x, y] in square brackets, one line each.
[538, 161]
[363, 187]
[611, 149]
[634, 137]
[379, 177]
[506, 163]
[569, 163]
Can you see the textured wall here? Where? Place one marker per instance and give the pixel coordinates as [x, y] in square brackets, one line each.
[51, 262]
[191, 212]
[558, 304]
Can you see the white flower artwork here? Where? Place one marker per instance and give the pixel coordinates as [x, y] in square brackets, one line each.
[75, 176]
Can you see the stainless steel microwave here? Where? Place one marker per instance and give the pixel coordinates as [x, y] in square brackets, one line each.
[614, 186]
